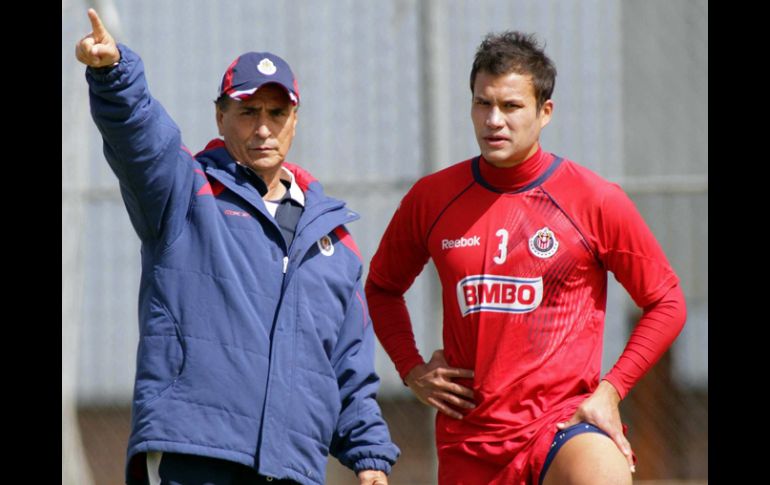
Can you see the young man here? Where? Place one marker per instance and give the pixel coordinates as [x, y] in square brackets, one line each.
[522, 240]
[256, 357]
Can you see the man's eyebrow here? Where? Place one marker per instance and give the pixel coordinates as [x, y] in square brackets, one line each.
[513, 99]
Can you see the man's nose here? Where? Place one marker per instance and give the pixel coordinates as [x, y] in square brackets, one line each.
[494, 118]
[262, 130]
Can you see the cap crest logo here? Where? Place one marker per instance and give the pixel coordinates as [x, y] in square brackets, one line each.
[543, 244]
[266, 67]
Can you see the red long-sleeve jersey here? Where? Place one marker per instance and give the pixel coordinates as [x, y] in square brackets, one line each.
[523, 255]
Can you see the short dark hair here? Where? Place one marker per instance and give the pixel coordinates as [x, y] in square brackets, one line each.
[223, 102]
[517, 52]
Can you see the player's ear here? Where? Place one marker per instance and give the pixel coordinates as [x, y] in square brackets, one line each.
[545, 113]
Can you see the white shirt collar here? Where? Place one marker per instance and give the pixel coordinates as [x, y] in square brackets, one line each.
[295, 192]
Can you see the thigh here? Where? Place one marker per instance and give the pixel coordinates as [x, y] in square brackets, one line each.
[588, 459]
[471, 463]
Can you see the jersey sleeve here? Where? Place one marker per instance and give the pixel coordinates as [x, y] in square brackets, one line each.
[628, 248]
[660, 324]
[401, 256]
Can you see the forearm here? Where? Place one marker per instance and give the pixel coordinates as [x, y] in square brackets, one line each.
[361, 440]
[653, 335]
[134, 125]
[142, 145]
[393, 327]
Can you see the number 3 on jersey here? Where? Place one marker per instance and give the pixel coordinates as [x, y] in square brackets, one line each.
[503, 247]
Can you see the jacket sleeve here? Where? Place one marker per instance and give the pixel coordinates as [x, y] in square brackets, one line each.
[361, 439]
[143, 147]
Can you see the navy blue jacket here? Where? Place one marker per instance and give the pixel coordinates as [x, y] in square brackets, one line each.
[249, 351]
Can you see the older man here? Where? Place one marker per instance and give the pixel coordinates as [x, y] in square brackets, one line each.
[256, 353]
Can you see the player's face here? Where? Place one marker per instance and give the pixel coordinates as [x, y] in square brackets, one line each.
[258, 131]
[505, 117]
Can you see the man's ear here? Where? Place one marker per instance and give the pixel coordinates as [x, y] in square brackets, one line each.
[219, 116]
[546, 111]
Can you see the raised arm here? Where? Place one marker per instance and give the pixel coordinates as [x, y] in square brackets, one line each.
[142, 143]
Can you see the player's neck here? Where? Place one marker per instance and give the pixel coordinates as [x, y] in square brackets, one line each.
[509, 179]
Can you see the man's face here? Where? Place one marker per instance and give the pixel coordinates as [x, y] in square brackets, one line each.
[258, 131]
[505, 117]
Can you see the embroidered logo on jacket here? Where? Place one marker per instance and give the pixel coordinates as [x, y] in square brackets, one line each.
[543, 244]
[494, 293]
[326, 246]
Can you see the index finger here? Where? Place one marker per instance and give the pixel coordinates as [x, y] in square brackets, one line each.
[96, 24]
[458, 389]
[624, 446]
[456, 372]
